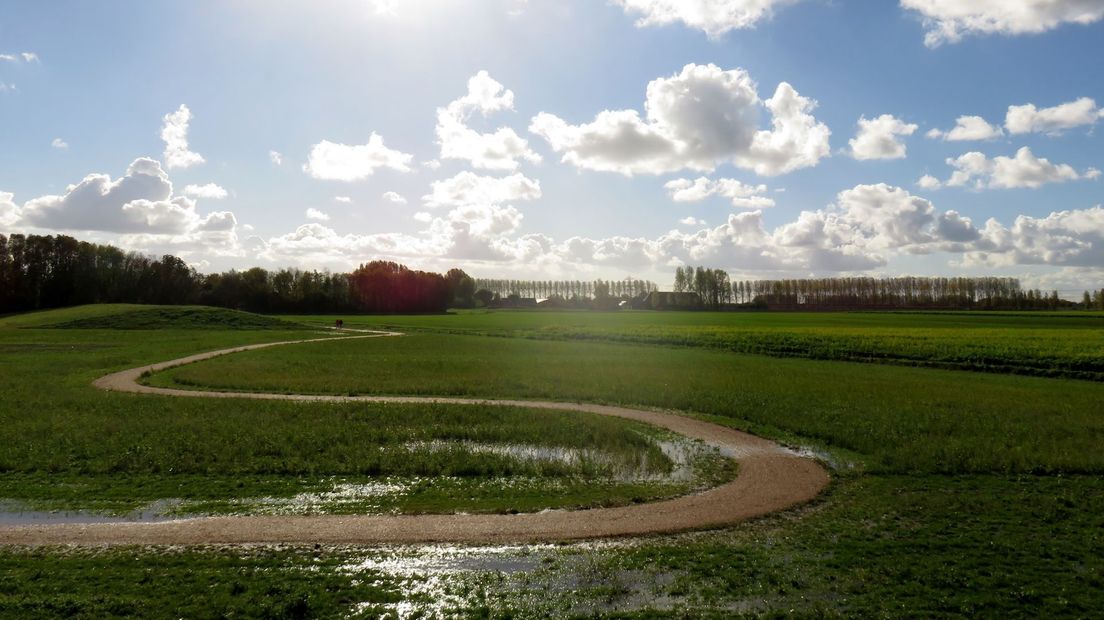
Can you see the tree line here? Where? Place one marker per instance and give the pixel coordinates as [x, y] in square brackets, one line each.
[1093, 300]
[716, 288]
[38, 272]
[566, 289]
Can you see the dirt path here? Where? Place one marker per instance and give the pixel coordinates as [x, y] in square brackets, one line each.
[771, 478]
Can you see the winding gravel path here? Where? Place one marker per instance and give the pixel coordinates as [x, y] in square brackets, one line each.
[771, 478]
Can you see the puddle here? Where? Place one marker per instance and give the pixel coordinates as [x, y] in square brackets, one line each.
[824, 457]
[17, 513]
[432, 579]
[682, 454]
[442, 581]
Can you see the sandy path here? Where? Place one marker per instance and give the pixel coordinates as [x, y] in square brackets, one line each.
[771, 478]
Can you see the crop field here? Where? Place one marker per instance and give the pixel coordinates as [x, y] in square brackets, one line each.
[954, 491]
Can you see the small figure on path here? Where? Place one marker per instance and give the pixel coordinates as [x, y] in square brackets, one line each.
[339, 324]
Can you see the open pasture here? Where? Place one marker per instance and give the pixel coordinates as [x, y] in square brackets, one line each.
[1053, 344]
[68, 446]
[943, 479]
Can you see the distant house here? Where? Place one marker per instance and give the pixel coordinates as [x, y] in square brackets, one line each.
[666, 300]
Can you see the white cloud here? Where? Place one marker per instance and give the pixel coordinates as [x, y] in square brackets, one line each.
[342, 162]
[877, 138]
[1092, 173]
[175, 134]
[714, 17]
[276, 158]
[929, 182]
[968, 128]
[864, 228]
[741, 196]
[502, 149]
[210, 190]
[796, 140]
[947, 21]
[343, 199]
[1063, 238]
[1027, 118]
[59, 144]
[10, 213]
[141, 202]
[27, 57]
[694, 120]
[7, 88]
[315, 214]
[1022, 170]
[394, 197]
[467, 188]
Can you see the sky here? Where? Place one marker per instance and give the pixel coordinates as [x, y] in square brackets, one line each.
[565, 138]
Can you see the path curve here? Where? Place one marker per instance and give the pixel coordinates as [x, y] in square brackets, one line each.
[770, 478]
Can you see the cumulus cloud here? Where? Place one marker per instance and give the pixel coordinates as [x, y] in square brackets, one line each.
[877, 138]
[948, 21]
[276, 158]
[467, 188]
[140, 202]
[59, 144]
[502, 149]
[315, 214]
[342, 162]
[1064, 238]
[10, 212]
[741, 195]
[174, 132]
[394, 198]
[714, 17]
[1022, 170]
[1027, 118]
[796, 140]
[929, 182]
[695, 120]
[968, 128]
[210, 190]
[864, 228]
[344, 199]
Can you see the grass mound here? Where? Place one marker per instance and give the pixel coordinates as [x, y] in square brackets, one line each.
[176, 317]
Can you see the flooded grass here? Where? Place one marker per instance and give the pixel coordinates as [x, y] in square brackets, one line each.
[876, 546]
[598, 480]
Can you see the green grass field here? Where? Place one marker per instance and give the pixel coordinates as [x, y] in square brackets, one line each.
[955, 493]
[1052, 344]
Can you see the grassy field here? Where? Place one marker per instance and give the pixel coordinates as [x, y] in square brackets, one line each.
[955, 493]
[1049, 344]
[64, 445]
[892, 419]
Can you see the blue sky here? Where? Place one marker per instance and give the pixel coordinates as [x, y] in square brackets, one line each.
[87, 89]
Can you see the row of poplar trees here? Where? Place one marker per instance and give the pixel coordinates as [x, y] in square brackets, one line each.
[716, 288]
